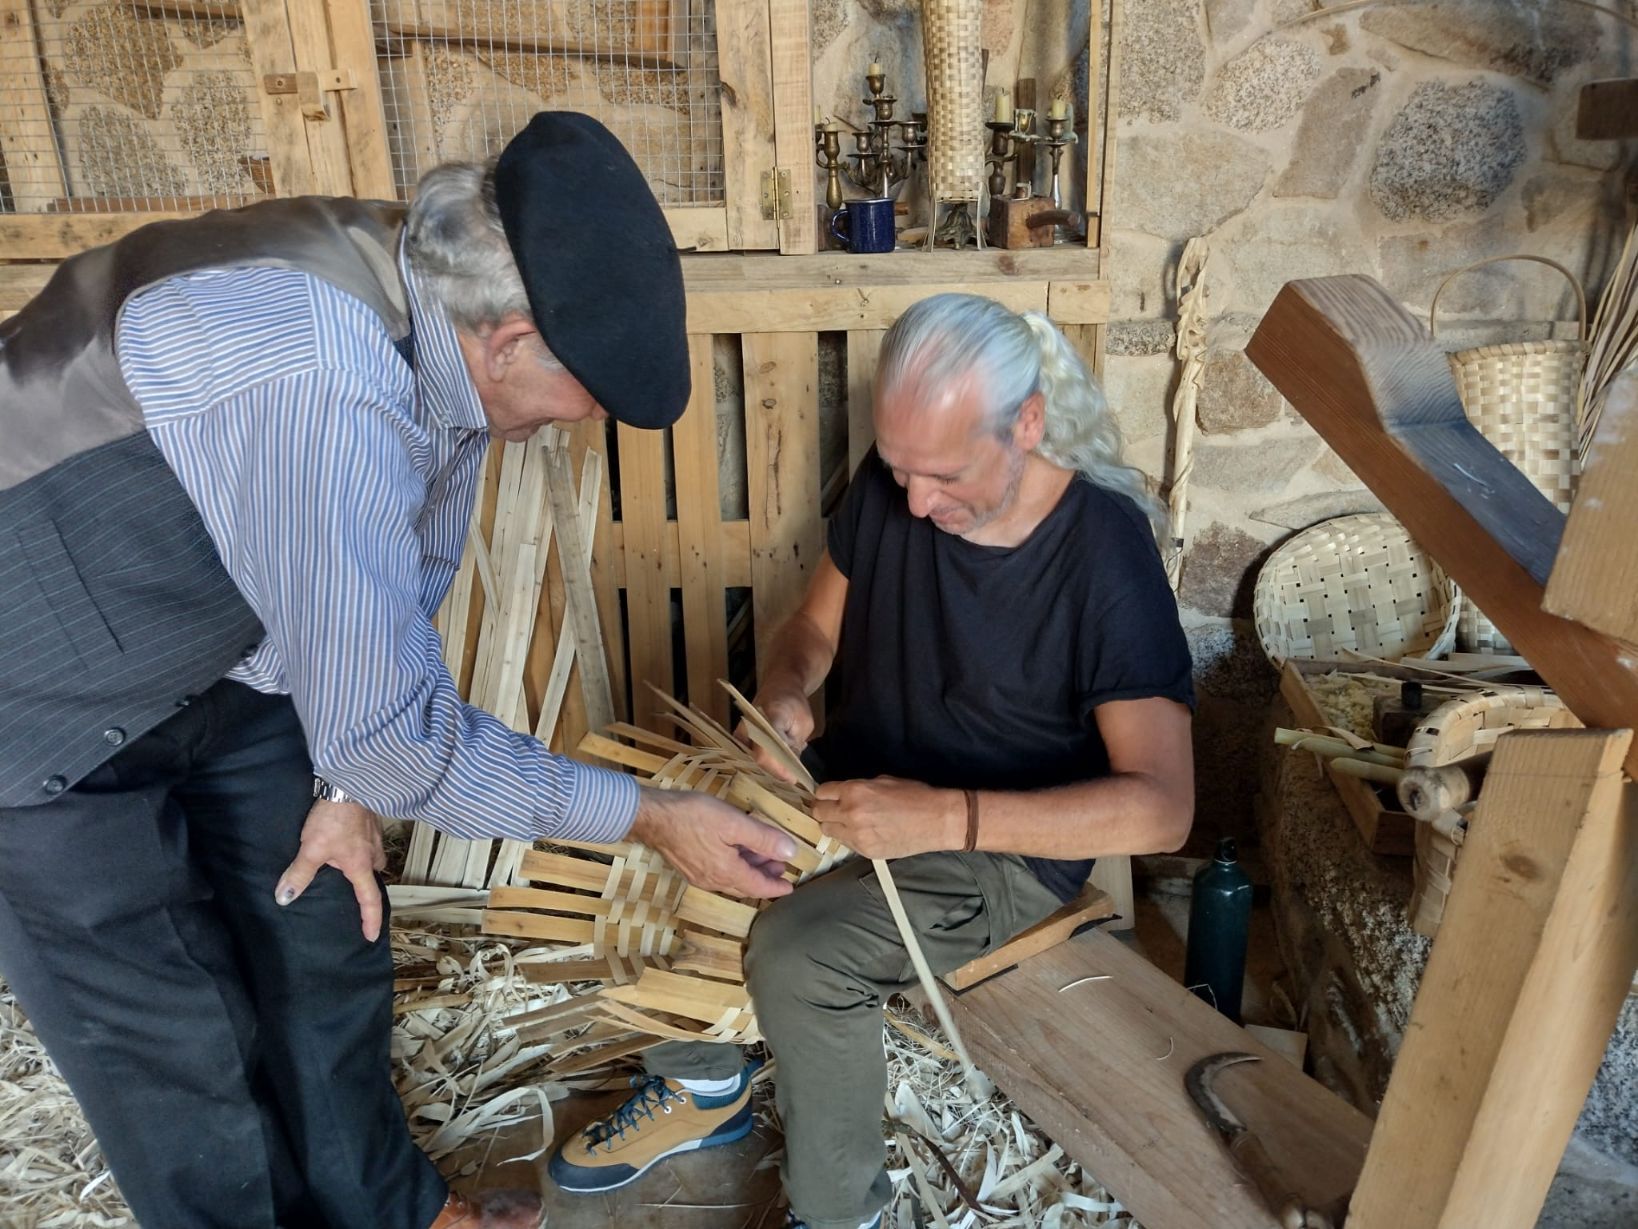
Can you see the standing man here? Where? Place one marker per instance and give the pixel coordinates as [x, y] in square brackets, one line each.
[238, 457]
[1013, 699]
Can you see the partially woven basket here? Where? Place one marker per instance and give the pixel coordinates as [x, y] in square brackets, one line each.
[1452, 733]
[953, 49]
[1522, 398]
[1355, 583]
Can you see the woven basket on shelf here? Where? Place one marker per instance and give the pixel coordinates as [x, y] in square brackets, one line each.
[1522, 398]
[953, 47]
[1354, 583]
[1452, 733]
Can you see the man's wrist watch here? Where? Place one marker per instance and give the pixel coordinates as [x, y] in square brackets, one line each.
[326, 792]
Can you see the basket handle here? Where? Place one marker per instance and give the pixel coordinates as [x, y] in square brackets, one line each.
[1575, 284]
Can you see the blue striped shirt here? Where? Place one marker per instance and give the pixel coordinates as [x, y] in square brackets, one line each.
[337, 485]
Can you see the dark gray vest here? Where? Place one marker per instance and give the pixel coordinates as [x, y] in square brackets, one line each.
[114, 607]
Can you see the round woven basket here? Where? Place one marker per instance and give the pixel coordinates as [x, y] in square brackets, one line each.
[1452, 733]
[1522, 398]
[1354, 583]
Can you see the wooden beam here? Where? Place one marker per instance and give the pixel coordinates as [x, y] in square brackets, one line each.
[792, 65]
[744, 53]
[701, 565]
[28, 139]
[1360, 369]
[1533, 960]
[1092, 906]
[1608, 110]
[1099, 1066]
[363, 113]
[864, 348]
[648, 597]
[782, 468]
[272, 51]
[1595, 577]
[537, 27]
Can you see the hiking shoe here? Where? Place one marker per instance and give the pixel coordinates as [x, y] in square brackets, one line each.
[792, 1223]
[661, 1119]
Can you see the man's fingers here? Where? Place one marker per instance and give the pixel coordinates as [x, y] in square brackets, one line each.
[368, 892]
[296, 877]
[772, 765]
[746, 880]
[760, 838]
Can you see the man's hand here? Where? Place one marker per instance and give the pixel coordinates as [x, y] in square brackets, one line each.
[890, 818]
[716, 847]
[348, 837]
[791, 714]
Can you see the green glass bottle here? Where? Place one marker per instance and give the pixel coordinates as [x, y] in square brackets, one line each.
[1219, 926]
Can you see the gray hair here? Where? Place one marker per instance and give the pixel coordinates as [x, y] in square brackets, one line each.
[948, 337]
[458, 247]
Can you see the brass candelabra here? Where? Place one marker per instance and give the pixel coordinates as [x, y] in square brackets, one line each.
[874, 165]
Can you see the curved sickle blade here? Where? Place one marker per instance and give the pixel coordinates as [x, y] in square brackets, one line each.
[1199, 1084]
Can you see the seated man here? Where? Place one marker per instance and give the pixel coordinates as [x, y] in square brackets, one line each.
[1013, 700]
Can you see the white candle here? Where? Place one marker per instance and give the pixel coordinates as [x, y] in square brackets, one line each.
[1059, 108]
[875, 70]
[1003, 107]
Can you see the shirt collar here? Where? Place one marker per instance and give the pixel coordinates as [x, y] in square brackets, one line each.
[443, 387]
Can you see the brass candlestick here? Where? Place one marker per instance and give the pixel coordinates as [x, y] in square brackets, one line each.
[828, 142]
[1059, 135]
[1003, 149]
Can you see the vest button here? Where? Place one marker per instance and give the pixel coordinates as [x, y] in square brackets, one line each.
[54, 785]
[185, 701]
[113, 736]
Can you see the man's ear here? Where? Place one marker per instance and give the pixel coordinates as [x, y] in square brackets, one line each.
[505, 344]
[1029, 429]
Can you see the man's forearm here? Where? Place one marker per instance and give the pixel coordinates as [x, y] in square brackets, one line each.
[799, 657]
[1129, 813]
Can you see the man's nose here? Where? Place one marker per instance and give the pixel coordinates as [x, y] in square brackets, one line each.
[919, 491]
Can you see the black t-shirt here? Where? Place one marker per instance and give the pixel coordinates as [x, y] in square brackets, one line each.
[978, 667]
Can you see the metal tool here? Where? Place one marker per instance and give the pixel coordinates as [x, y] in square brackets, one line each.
[1288, 1207]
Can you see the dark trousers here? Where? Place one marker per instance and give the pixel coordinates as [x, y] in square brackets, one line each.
[231, 1055]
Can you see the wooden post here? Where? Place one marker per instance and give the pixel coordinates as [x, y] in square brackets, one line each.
[744, 52]
[28, 139]
[1534, 957]
[363, 116]
[864, 348]
[648, 597]
[699, 536]
[793, 120]
[1595, 577]
[782, 464]
[268, 39]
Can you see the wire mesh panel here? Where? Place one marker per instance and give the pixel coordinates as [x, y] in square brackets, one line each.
[122, 105]
[460, 77]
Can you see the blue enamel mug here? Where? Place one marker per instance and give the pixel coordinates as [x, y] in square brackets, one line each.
[865, 226]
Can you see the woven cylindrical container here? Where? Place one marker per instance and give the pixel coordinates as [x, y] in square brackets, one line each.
[1522, 398]
[1450, 734]
[953, 47]
[1354, 583]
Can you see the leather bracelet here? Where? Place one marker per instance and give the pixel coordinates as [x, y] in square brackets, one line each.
[972, 821]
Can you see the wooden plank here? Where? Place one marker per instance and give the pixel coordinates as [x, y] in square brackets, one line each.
[792, 64]
[837, 308]
[1365, 374]
[763, 271]
[1595, 576]
[1119, 1107]
[580, 594]
[744, 56]
[326, 138]
[1111, 109]
[648, 598]
[54, 236]
[698, 228]
[415, 130]
[1533, 960]
[272, 50]
[864, 350]
[363, 115]
[1082, 302]
[607, 558]
[1091, 906]
[1607, 110]
[534, 27]
[701, 565]
[782, 467]
[21, 282]
[28, 139]
[1096, 116]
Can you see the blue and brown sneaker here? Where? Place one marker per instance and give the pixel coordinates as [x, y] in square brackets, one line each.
[661, 1119]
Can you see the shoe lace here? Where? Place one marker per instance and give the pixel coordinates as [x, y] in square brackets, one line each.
[653, 1094]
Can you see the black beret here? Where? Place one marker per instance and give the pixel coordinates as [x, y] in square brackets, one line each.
[601, 271]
